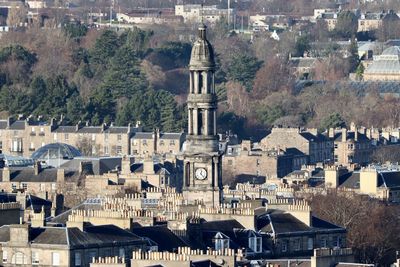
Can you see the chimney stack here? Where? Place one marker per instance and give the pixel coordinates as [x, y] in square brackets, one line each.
[37, 167]
[344, 134]
[356, 134]
[60, 175]
[6, 174]
[331, 133]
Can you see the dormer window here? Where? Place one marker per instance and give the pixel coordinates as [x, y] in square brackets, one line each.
[221, 241]
[255, 242]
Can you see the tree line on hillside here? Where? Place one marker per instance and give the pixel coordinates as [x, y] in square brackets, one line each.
[103, 76]
[104, 84]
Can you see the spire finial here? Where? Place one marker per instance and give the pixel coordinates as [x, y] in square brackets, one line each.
[202, 14]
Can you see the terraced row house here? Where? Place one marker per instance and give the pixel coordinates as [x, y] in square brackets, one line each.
[23, 137]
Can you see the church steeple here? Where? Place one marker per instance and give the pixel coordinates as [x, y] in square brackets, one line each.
[202, 160]
[202, 99]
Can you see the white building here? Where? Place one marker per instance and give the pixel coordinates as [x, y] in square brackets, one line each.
[259, 23]
[211, 14]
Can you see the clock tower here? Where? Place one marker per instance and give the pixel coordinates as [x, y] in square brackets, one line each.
[202, 181]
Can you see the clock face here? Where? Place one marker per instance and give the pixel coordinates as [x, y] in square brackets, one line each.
[201, 173]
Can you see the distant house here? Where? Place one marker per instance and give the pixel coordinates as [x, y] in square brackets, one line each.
[143, 17]
[370, 21]
[211, 14]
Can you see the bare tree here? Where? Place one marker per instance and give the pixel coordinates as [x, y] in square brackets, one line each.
[88, 147]
[16, 16]
[371, 225]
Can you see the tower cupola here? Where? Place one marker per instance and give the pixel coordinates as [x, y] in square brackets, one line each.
[202, 56]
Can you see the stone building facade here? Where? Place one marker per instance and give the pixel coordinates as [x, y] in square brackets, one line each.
[315, 145]
[351, 146]
[24, 136]
[244, 160]
[144, 144]
[25, 245]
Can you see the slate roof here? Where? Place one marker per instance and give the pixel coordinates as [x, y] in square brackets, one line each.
[95, 166]
[236, 232]
[281, 223]
[315, 138]
[143, 135]
[165, 136]
[171, 135]
[158, 168]
[92, 236]
[294, 151]
[90, 129]
[165, 238]
[387, 179]
[3, 124]
[350, 136]
[118, 130]
[18, 125]
[65, 129]
[33, 202]
[89, 204]
[27, 174]
[300, 62]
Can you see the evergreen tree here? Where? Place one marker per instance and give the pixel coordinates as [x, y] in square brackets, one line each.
[105, 47]
[74, 109]
[347, 24]
[124, 77]
[101, 107]
[136, 39]
[332, 121]
[243, 69]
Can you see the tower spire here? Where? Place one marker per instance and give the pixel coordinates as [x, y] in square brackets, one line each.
[202, 14]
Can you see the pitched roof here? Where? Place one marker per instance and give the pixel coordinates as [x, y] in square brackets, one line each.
[96, 236]
[88, 204]
[165, 238]
[282, 223]
[350, 136]
[27, 174]
[171, 135]
[387, 179]
[33, 202]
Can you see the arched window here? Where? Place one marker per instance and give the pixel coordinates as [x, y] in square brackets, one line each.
[200, 89]
[187, 174]
[200, 122]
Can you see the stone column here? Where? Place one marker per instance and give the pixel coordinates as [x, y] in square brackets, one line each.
[191, 82]
[205, 83]
[215, 178]
[215, 122]
[212, 86]
[196, 81]
[206, 121]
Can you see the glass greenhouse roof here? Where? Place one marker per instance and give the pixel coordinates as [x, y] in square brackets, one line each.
[56, 151]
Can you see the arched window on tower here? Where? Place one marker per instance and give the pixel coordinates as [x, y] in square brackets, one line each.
[187, 174]
[200, 123]
[201, 82]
